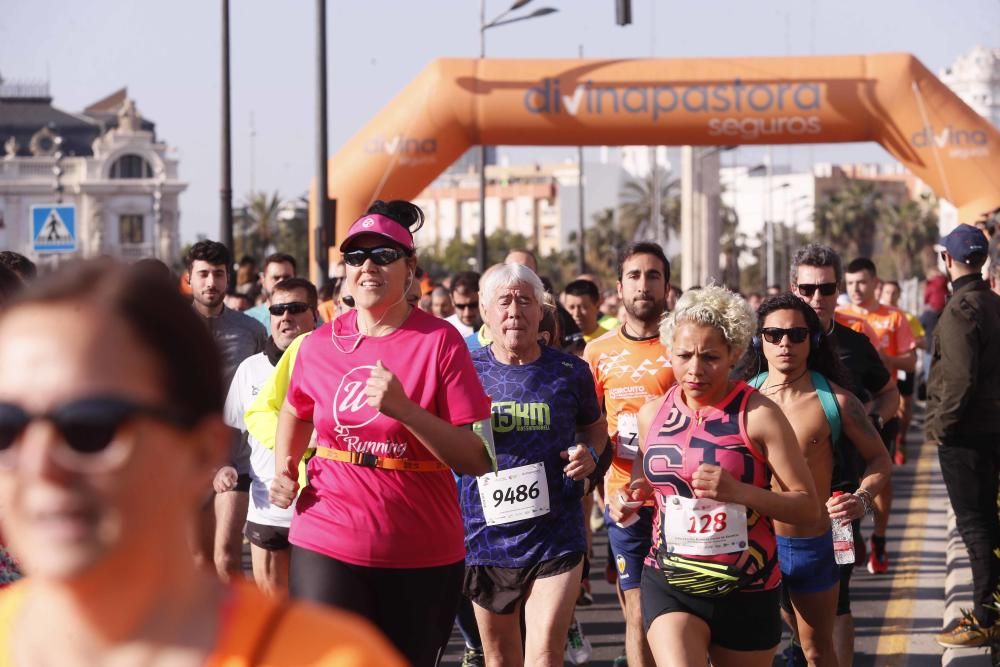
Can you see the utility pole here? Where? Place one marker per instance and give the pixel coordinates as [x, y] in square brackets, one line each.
[481, 246]
[226, 189]
[321, 243]
[581, 249]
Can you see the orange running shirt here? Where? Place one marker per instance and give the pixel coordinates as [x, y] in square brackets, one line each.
[856, 323]
[260, 632]
[893, 332]
[627, 374]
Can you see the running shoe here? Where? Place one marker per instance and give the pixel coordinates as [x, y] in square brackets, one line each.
[966, 635]
[578, 647]
[878, 563]
[620, 661]
[473, 657]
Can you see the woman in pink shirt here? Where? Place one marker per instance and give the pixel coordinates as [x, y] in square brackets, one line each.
[391, 392]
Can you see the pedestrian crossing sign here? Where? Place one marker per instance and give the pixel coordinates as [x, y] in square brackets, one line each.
[53, 228]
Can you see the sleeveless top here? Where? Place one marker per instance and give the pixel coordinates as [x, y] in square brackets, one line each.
[679, 440]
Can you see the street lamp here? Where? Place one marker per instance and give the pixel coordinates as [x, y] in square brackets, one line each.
[483, 27]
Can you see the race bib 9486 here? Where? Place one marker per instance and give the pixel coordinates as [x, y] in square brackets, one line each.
[514, 495]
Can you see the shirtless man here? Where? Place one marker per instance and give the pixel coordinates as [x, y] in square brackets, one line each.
[798, 358]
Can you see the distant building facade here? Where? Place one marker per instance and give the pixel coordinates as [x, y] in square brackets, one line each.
[975, 77]
[540, 202]
[105, 162]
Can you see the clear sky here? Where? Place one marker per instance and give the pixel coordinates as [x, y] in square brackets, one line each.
[167, 53]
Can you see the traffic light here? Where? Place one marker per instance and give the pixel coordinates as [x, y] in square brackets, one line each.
[623, 12]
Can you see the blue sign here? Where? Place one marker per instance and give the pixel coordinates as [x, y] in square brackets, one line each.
[53, 228]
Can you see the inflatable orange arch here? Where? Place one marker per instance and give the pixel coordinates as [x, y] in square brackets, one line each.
[454, 104]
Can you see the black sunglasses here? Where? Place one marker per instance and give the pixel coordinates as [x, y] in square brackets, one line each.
[773, 335]
[86, 425]
[293, 307]
[466, 306]
[382, 255]
[826, 289]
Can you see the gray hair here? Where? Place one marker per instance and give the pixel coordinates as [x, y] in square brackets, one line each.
[502, 276]
[716, 307]
[440, 292]
[818, 256]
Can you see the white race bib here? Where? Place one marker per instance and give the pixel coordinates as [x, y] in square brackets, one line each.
[628, 438]
[514, 495]
[704, 527]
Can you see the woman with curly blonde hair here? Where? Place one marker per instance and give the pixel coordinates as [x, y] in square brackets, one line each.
[722, 462]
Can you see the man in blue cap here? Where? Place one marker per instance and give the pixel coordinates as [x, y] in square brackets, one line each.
[963, 418]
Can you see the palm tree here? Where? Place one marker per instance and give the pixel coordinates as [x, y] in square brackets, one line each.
[260, 223]
[635, 210]
[909, 231]
[847, 219]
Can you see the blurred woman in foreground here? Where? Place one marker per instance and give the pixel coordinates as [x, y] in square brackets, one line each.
[110, 428]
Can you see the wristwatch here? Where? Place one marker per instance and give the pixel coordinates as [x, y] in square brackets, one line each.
[877, 422]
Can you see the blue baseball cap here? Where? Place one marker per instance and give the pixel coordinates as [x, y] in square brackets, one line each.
[963, 242]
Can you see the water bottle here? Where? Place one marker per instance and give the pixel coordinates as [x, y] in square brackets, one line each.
[843, 539]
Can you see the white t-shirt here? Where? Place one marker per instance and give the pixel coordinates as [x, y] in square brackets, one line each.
[249, 377]
[463, 329]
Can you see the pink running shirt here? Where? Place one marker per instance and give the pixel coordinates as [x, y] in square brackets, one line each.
[367, 516]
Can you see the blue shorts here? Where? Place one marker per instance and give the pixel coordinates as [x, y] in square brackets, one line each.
[630, 546]
[807, 563]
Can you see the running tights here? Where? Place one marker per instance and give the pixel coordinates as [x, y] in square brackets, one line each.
[414, 607]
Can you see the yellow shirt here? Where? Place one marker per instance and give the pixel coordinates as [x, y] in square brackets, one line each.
[261, 417]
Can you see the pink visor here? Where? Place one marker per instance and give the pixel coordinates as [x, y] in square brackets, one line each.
[380, 226]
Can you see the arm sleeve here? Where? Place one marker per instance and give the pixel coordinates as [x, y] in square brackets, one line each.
[957, 368]
[460, 396]
[876, 375]
[261, 417]
[233, 411]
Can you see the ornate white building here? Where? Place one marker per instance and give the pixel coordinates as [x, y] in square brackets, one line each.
[975, 77]
[104, 162]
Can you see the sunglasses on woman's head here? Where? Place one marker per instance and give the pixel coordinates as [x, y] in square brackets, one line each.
[381, 255]
[826, 289]
[293, 307]
[87, 426]
[773, 335]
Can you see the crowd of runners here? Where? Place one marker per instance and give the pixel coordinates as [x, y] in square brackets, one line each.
[404, 457]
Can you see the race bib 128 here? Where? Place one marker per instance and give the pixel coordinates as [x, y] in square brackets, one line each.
[703, 527]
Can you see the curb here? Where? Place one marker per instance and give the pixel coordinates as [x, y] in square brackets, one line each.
[957, 594]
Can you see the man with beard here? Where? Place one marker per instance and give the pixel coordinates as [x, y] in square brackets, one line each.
[237, 337]
[630, 368]
[897, 350]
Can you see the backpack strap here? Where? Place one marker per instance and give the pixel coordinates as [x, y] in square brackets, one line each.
[827, 399]
[831, 408]
[757, 381]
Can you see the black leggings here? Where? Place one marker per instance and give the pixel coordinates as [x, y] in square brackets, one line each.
[414, 607]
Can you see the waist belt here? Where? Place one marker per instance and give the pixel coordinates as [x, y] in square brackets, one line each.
[372, 461]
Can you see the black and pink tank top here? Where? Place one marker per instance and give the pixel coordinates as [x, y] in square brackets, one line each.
[679, 440]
